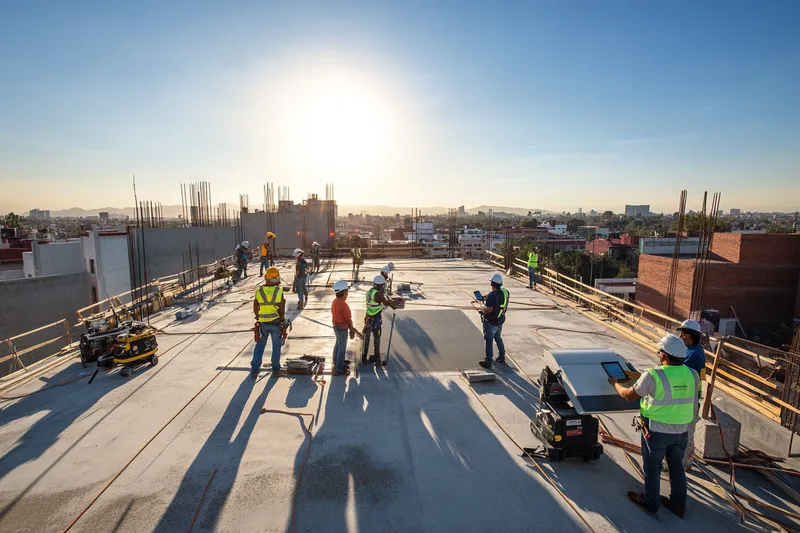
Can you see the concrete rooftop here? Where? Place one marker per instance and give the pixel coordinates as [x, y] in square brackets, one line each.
[406, 448]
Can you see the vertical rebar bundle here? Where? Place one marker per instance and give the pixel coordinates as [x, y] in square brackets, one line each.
[673, 273]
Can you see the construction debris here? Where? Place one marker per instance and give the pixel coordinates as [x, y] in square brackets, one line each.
[474, 375]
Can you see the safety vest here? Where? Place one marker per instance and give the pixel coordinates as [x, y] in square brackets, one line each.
[373, 307]
[503, 305]
[357, 253]
[264, 250]
[269, 298]
[675, 397]
[533, 260]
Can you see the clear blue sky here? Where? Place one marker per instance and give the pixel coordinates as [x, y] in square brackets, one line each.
[558, 105]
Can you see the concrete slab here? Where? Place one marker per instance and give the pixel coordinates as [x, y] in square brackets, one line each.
[392, 450]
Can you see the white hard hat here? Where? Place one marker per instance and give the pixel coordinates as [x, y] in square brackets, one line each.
[245, 244]
[673, 345]
[379, 280]
[496, 278]
[690, 325]
[386, 269]
[390, 265]
[297, 251]
[315, 243]
[340, 286]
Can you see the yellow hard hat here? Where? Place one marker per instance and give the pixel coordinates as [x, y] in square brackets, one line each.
[270, 235]
[272, 275]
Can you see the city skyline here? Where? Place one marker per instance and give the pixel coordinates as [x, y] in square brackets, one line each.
[552, 105]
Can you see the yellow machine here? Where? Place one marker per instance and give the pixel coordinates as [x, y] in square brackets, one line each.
[135, 347]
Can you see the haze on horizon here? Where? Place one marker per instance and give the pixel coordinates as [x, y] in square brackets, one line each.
[552, 105]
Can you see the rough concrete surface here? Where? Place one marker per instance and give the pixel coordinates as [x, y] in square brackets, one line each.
[396, 449]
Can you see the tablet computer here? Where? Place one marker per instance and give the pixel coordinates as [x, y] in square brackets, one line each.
[478, 296]
[614, 370]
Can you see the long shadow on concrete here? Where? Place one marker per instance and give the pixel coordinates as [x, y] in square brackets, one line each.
[218, 453]
[411, 454]
[64, 405]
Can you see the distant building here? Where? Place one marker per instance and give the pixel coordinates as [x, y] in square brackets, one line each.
[593, 213]
[587, 231]
[422, 231]
[618, 247]
[104, 216]
[665, 246]
[557, 229]
[736, 212]
[473, 242]
[580, 210]
[39, 214]
[720, 212]
[461, 211]
[637, 211]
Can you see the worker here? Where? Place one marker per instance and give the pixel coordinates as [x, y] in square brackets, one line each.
[494, 316]
[668, 400]
[265, 264]
[357, 259]
[691, 333]
[315, 257]
[385, 271]
[376, 299]
[241, 258]
[342, 325]
[269, 307]
[300, 276]
[533, 264]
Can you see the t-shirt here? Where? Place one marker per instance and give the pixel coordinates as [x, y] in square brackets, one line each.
[341, 312]
[646, 386]
[494, 300]
[695, 358]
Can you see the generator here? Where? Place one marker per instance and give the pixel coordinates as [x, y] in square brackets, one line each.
[133, 347]
[563, 432]
[100, 338]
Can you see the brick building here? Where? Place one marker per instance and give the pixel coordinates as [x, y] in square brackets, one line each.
[757, 275]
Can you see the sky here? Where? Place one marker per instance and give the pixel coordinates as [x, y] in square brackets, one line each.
[554, 104]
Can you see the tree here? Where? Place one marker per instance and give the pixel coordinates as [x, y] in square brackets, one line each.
[574, 223]
[11, 220]
[695, 222]
[530, 223]
[608, 214]
[584, 266]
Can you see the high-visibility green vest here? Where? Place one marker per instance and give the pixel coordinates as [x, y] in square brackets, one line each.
[373, 307]
[503, 305]
[269, 297]
[675, 397]
[356, 253]
[533, 260]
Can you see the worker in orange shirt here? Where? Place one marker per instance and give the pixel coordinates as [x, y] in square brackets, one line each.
[342, 325]
[266, 261]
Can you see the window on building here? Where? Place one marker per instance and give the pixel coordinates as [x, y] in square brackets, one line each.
[94, 292]
[91, 269]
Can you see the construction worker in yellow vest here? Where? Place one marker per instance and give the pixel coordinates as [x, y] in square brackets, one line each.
[494, 316]
[373, 321]
[357, 261]
[265, 252]
[533, 264]
[668, 404]
[269, 307]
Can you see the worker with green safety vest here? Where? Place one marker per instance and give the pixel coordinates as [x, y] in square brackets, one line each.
[373, 321]
[269, 307]
[533, 264]
[494, 316]
[668, 405]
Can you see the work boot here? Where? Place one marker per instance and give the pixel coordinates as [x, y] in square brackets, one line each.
[484, 364]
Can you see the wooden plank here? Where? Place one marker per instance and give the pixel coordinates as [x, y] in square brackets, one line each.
[40, 345]
[749, 374]
[755, 404]
[754, 355]
[35, 330]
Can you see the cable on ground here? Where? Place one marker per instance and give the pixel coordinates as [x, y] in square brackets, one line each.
[200, 503]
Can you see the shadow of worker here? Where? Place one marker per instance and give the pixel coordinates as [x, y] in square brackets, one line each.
[218, 453]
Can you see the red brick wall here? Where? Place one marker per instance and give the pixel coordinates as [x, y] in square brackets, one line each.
[651, 287]
[775, 250]
[760, 294]
[726, 247]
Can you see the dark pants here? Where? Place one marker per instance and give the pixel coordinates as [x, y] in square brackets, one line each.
[264, 264]
[372, 327]
[315, 264]
[531, 276]
[492, 333]
[671, 447]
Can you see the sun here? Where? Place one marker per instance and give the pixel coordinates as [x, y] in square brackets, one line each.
[339, 126]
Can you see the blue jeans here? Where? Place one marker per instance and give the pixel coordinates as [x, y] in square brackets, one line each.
[242, 269]
[264, 264]
[491, 333]
[672, 447]
[301, 288]
[340, 348]
[532, 276]
[268, 329]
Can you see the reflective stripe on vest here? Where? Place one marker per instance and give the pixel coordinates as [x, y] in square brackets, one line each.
[373, 307]
[268, 300]
[264, 250]
[675, 397]
[357, 253]
[533, 259]
[503, 305]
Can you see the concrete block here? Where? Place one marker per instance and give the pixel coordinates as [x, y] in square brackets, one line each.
[707, 439]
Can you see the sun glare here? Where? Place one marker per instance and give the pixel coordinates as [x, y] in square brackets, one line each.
[339, 126]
